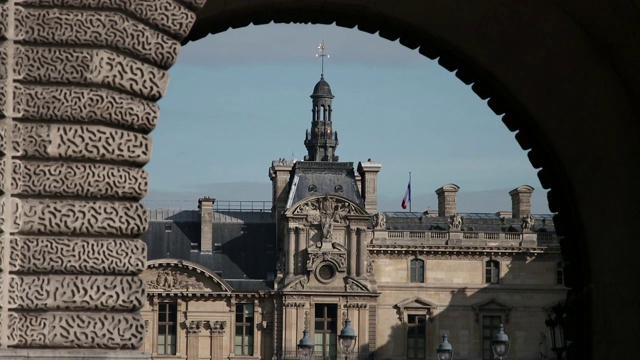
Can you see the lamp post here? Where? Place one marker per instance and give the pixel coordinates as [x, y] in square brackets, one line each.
[347, 338]
[305, 346]
[556, 330]
[445, 350]
[500, 344]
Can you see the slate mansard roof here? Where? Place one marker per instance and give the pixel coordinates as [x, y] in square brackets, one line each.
[244, 251]
[310, 178]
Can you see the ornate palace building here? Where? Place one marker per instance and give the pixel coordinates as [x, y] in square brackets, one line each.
[245, 284]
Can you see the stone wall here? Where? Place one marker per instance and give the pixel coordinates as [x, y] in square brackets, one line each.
[80, 81]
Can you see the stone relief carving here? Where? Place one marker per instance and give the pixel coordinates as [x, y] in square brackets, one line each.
[173, 281]
[86, 105]
[103, 28]
[380, 221]
[75, 330]
[77, 255]
[166, 15]
[98, 86]
[90, 142]
[455, 222]
[370, 267]
[353, 285]
[76, 292]
[90, 67]
[81, 217]
[79, 179]
[327, 209]
[194, 326]
[217, 327]
[298, 285]
[338, 259]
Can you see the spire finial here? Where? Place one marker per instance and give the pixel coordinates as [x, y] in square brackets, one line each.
[321, 54]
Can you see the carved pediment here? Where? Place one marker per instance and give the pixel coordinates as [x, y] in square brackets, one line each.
[298, 284]
[415, 304]
[355, 285]
[491, 306]
[170, 275]
[328, 208]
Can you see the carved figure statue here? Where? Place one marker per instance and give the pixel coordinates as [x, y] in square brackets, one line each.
[527, 222]
[380, 220]
[455, 222]
[326, 222]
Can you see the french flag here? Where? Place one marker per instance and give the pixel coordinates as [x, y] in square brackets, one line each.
[406, 201]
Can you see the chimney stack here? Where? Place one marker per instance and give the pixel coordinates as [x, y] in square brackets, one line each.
[521, 201]
[279, 173]
[447, 199]
[205, 205]
[368, 171]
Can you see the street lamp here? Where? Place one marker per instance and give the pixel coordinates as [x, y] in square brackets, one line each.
[556, 330]
[445, 350]
[500, 344]
[347, 338]
[305, 346]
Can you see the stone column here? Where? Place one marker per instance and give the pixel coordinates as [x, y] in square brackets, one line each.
[193, 340]
[217, 336]
[300, 240]
[205, 205]
[291, 251]
[353, 251]
[87, 75]
[362, 252]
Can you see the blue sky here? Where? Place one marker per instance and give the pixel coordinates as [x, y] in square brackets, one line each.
[240, 99]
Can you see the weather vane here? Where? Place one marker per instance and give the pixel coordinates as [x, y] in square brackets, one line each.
[322, 55]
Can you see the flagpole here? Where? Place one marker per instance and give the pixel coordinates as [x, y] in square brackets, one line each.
[409, 191]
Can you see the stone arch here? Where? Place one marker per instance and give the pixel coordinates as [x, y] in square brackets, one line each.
[568, 82]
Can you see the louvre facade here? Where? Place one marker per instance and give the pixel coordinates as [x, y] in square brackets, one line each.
[231, 283]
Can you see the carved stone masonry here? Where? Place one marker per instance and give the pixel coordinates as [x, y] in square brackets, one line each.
[78, 84]
[217, 327]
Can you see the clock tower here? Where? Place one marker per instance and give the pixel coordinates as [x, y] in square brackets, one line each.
[321, 142]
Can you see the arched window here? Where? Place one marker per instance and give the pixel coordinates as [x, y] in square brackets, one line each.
[417, 270]
[492, 272]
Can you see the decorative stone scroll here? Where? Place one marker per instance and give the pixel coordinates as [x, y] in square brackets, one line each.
[78, 84]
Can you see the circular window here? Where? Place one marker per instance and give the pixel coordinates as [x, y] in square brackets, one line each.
[338, 188]
[326, 272]
[312, 188]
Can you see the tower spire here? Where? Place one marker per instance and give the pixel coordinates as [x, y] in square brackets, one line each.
[321, 54]
[321, 142]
